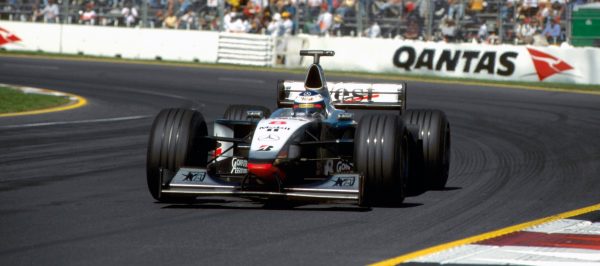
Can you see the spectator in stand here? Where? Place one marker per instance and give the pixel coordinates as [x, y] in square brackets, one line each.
[529, 7]
[373, 31]
[275, 26]
[130, 14]
[347, 9]
[182, 6]
[238, 24]
[482, 34]
[476, 6]
[324, 21]
[188, 20]
[314, 7]
[50, 12]
[170, 20]
[456, 7]
[493, 38]
[525, 31]
[413, 29]
[251, 10]
[89, 15]
[507, 11]
[390, 9]
[544, 13]
[158, 19]
[552, 31]
[287, 23]
[448, 28]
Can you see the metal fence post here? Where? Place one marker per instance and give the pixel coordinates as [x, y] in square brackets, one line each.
[359, 19]
[221, 11]
[144, 23]
[500, 22]
[429, 19]
[569, 18]
[65, 12]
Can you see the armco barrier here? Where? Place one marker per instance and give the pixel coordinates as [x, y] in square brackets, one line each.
[475, 61]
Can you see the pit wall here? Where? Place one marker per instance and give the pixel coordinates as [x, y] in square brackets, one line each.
[466, 60]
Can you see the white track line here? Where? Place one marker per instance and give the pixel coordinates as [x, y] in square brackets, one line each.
[241, 80]
[114, 119]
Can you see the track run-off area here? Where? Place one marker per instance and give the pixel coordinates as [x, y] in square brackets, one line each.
[73, 183]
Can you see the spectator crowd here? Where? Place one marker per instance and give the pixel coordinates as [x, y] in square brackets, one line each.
[539, 22]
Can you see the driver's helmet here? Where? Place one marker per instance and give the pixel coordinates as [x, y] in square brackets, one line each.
[309, 104]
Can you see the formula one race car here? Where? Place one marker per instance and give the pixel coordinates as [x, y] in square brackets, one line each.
[310, 148]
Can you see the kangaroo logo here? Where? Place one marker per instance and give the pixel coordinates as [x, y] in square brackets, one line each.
[547, 65]
[7, 37]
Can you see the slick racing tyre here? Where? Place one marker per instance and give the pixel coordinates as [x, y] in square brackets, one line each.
[238, 111]
[381, 156]
[176, 139]
[431, 137]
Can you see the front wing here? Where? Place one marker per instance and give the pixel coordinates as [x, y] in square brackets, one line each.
[197, 181]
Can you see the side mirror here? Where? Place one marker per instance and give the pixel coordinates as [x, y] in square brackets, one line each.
[255, 114]
[345, 117]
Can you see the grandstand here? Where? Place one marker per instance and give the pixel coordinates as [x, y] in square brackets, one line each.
[492, 21]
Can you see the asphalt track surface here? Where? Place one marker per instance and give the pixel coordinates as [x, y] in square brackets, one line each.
[74, 193]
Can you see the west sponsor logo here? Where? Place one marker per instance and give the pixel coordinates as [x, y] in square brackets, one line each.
[353, 96]
[547, 65]
[490, 62]
[239, 166]
[7, 37]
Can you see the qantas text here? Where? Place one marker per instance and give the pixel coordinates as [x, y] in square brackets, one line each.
[490, 62]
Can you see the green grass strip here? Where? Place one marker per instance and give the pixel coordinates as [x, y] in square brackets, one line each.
[13, 101]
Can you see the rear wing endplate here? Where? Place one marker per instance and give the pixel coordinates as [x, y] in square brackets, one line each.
[372, 96]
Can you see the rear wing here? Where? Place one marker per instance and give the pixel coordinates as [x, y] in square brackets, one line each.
[373, 96]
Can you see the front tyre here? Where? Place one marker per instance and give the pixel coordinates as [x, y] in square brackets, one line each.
[381, 155]
[176, 139]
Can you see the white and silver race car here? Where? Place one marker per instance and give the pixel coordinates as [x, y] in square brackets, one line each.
[309, 148]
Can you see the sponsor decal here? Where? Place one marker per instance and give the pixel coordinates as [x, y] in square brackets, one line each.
[239, 166]
[308, 97]
[194, 177]
[308, 93]
[7, 37]
[357, 95]
[490, 62]
[344, 166]
[547, 65]
[265, 148]
[344, 181]
[337, 166]
[270, 137]
[273, 128]
[277, 122]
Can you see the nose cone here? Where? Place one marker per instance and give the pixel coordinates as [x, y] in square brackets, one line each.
[266, 172]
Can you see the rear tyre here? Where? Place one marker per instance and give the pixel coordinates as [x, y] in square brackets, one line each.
[176, 139]
[238, 111]
[432, 140]
[381, 156]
